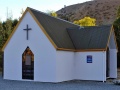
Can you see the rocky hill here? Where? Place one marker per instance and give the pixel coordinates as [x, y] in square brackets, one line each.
[104, 11]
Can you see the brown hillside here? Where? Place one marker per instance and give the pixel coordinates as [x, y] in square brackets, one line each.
[104, 11]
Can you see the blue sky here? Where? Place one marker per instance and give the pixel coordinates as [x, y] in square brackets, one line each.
[14, 7]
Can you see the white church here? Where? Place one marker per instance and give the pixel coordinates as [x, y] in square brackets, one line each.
[48, 49]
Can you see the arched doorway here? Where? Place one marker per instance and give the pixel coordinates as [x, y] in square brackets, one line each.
[28, 64]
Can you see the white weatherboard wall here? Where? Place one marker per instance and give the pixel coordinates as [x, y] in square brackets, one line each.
[65, 66]
[112, 57]
[44, 53]
[113, 63]
[90, 71]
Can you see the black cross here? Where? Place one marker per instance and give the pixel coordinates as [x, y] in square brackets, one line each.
[27, 29]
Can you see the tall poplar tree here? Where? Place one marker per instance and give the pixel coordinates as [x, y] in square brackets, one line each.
[116, 26]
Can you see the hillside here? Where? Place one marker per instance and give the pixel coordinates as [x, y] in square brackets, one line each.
[104, 11]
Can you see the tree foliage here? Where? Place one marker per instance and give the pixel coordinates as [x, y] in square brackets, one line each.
[52, 13]
[6, 28]
[21, 13]
[118, 12]
[86, 21]
[116, 26]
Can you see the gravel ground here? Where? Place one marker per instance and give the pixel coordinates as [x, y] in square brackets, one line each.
[70, 85]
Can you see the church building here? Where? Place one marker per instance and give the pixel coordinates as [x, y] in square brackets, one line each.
[48, 49]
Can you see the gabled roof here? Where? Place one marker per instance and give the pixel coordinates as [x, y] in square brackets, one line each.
[65, 35]
[55, 28]
[95, 37]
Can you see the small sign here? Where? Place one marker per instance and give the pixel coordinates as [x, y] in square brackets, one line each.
[89, 59]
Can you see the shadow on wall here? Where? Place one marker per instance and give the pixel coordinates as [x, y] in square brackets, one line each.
[118, 59]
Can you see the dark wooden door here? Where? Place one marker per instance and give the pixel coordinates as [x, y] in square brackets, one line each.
[28, 64]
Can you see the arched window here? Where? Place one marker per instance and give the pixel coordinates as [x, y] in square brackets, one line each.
[28, 64]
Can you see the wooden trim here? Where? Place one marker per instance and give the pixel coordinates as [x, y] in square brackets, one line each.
[14, 30]
[39, 24]
[109, 38]
[36, 22]
[65, 49]
[115, 40]
[112, 31]
[90, 50]
[81, 50]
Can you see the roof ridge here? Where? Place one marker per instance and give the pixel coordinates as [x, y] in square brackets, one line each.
[53, 17]
[98, 26]
[90, 37]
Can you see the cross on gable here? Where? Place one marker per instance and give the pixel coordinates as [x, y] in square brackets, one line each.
[27, 29]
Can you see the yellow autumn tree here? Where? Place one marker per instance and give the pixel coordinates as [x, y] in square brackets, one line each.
[86, 21]
[52, 13]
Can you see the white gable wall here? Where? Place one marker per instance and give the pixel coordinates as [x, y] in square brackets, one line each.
[44, 53]
[90, 71]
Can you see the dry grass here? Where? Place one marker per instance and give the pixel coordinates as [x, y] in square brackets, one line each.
[104, 11]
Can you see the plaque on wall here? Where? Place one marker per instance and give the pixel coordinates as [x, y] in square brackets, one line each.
[89, 59]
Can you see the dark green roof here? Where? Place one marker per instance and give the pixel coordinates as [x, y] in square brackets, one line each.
[95, 37]
[69, 36]
[55, 28]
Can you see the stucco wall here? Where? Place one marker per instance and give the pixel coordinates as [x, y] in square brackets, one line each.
[90, 71]
[44, 53]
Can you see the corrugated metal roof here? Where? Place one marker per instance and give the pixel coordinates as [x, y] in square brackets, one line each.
[95, 37]
[56, 29]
